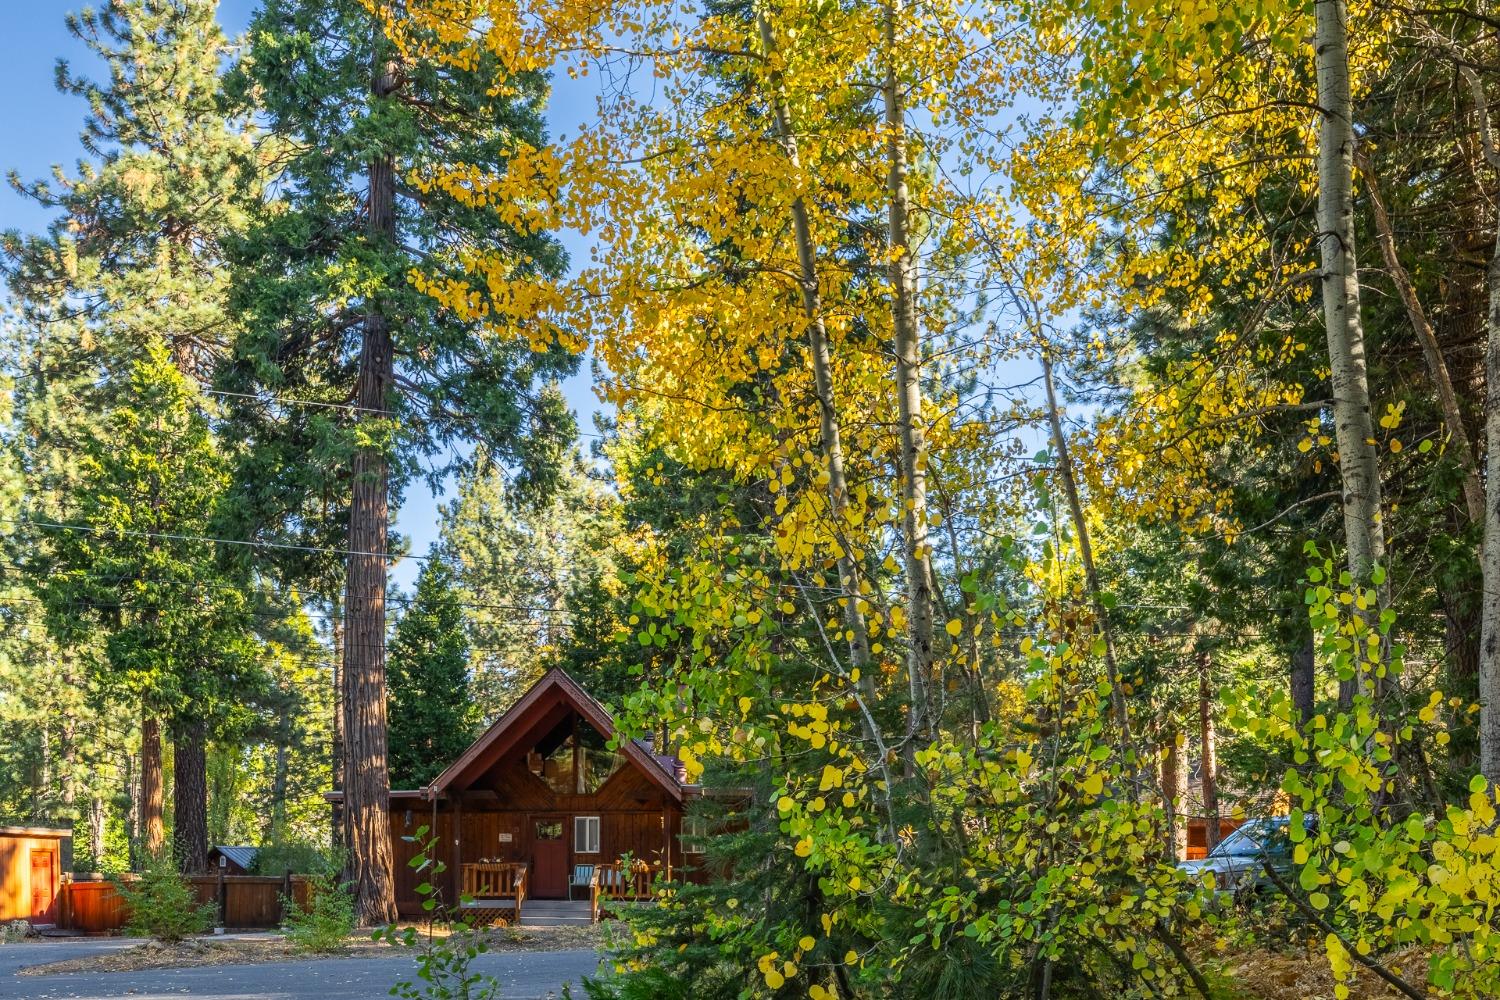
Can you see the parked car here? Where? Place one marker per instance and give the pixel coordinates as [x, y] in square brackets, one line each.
[1236, 863]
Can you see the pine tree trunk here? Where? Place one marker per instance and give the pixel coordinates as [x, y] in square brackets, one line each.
[190, 796]
[1359, 467]
[1208, 740]
[1304, 680]
[96, 829]
[336, 809]
[828, 425]
[150, 809]
[366, 782]
[919, 580]
[1173, 785]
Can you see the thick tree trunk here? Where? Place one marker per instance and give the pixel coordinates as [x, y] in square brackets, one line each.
[150, 808]
[1359, 467]
[828, 425]
[1173, 787]
[919, 580]
[1208, 741]
[366, 781]
[1304, 680]
[336, 809]
[190, 796]
[96, 829]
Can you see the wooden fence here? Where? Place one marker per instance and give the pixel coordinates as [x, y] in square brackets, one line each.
[92, 905]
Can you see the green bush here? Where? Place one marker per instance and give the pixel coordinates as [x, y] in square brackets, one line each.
[162, 905]
[326, 923]
[298, 857]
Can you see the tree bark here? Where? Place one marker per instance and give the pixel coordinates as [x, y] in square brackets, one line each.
[150, 807]
[1489, 561]
[1359, 466]
[190, 796]
[1303, 680]
[919, 649]
[366, 781]
[828, 424]
[1208, 739]
[1173, 787]
[1086, 554]
[1432, 352]
[336, 809]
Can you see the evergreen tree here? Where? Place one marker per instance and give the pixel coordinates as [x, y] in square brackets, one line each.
[132, 568]
[326, 283]
[539, 582]
[432, 711]
[132, 262]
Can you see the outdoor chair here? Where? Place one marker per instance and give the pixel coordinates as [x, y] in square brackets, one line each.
[583, 878]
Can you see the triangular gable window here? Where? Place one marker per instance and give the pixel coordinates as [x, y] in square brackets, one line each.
[574, 758]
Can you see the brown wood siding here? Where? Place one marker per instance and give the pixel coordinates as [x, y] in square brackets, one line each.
[16, 890]
[644, 834]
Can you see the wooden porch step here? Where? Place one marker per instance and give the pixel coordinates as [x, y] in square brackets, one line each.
[555, 913]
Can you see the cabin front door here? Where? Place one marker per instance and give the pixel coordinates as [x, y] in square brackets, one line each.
[549, 857]
[41, 885]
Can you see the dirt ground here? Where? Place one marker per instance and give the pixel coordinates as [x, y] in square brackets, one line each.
[1266, 975]
[209, 951]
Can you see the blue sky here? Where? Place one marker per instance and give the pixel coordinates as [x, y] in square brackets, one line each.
[40, 128]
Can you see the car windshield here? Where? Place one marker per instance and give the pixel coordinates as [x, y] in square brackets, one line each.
[1249, 841]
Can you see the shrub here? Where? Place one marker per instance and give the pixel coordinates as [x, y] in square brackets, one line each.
[444, 963]
[299, 857]
[162, 905]
[327, 921]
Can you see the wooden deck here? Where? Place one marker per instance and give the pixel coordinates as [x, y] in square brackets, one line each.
[494, 885]
[619, 882]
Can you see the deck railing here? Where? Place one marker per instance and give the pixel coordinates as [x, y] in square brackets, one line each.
[619, 882]
[494, 881]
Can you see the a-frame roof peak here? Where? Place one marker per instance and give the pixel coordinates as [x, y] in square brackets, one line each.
[554, 687]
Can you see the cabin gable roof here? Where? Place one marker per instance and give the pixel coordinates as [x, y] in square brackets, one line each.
[549, 698]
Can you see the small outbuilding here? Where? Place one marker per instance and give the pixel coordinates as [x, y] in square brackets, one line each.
[235, 859]
[32, 861]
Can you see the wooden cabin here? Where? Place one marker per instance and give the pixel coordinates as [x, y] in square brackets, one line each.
[540, 801]
[32, 862]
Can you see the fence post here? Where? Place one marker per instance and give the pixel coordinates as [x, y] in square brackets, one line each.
[223, 901]
[287, 899]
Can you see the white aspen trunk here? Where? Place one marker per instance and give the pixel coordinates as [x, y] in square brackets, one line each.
[1489, 642]
[1489, 559]
[1359, 467]
[919, 582]
[828, 425]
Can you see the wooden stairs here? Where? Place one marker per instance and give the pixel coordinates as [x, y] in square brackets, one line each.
[556, 913]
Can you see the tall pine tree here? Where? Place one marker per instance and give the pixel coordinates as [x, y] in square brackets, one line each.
[133, 261]
[432, 714]
[336, 320]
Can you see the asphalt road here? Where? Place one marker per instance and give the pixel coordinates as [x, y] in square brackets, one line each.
[522, 976]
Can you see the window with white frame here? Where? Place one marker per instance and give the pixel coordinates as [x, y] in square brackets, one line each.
[585, 834]
[694, 834]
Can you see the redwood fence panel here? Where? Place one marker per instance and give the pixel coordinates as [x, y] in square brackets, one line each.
[92, 904]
